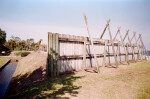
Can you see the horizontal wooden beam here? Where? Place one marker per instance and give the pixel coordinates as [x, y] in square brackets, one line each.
[89, 56]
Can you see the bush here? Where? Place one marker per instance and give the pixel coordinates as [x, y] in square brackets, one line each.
[23, 54]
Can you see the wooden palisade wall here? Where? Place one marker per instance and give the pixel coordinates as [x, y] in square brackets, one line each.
[68, 53]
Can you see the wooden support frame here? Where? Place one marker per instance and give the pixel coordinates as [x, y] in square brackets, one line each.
[145, 51]
[136, 44]
[111, 40]
[105, 51]
[126, 35]
[117, 33]
[126, 52]
[132, 48]
[53, 54]
[84, 53]
[105, 29]
[139, 53]
[91, 39]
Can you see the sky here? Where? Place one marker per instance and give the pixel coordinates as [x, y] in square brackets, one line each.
[35, 18]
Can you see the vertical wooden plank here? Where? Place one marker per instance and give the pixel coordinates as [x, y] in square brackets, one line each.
[133, 57]
[127, 53]
[91, 39]
[112, 43]
[57, 54]
[145, 51]
[104, 58]
[137, 47]
[54, 54]
[84, 53]
[48, 58]
[142, 52]
[118, 52]
[122, 41]
[51, 54]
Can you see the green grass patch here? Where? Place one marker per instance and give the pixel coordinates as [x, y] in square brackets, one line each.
[3, 60]
[22, 54]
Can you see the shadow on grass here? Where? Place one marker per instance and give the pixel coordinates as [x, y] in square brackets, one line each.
[37, 86]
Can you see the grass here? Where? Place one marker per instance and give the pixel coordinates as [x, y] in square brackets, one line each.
[126, 82]
[22, 54]
[3, 60]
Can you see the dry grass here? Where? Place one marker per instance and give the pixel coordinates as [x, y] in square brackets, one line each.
[126, 82]
[30, 63]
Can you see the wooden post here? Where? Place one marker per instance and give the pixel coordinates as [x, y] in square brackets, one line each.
[125, 35]
[127, 54]
[137, 46]
[126, 57]
[113, 46]
[118, 51]
[116, 33]
[51, 54]
[91, 39]
[104, 58]
[48, 57]
[133, 55]
[145, 51]
[54, 54]
[134, 33]
[105, 29]
[57, 54]
[84, 53]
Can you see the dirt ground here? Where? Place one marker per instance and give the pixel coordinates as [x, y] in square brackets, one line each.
[30, 69]
[127, 82]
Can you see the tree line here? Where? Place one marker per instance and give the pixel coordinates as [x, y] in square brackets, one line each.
[15, 43]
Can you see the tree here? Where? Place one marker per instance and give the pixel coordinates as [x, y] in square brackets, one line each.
[17, 39]
[2, 39]
[30, 42]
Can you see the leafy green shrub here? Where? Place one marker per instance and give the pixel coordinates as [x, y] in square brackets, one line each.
[23, 54]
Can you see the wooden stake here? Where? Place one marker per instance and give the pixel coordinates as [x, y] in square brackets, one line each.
[116, 33]
[54, 54]
[57, 54]
[113, 47]
[134, 33]
[104, 58]
[126, 52]
[118, 51]
[51, 53]
[125, 35]
[137, 46]
[133, 56]
[105, 29]
[84, 53]
[145, 51]
[91, 39]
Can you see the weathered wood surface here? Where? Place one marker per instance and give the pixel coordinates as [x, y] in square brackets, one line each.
[73, 53]
[91, 40]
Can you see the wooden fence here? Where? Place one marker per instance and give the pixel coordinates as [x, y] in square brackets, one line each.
[68, 53]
